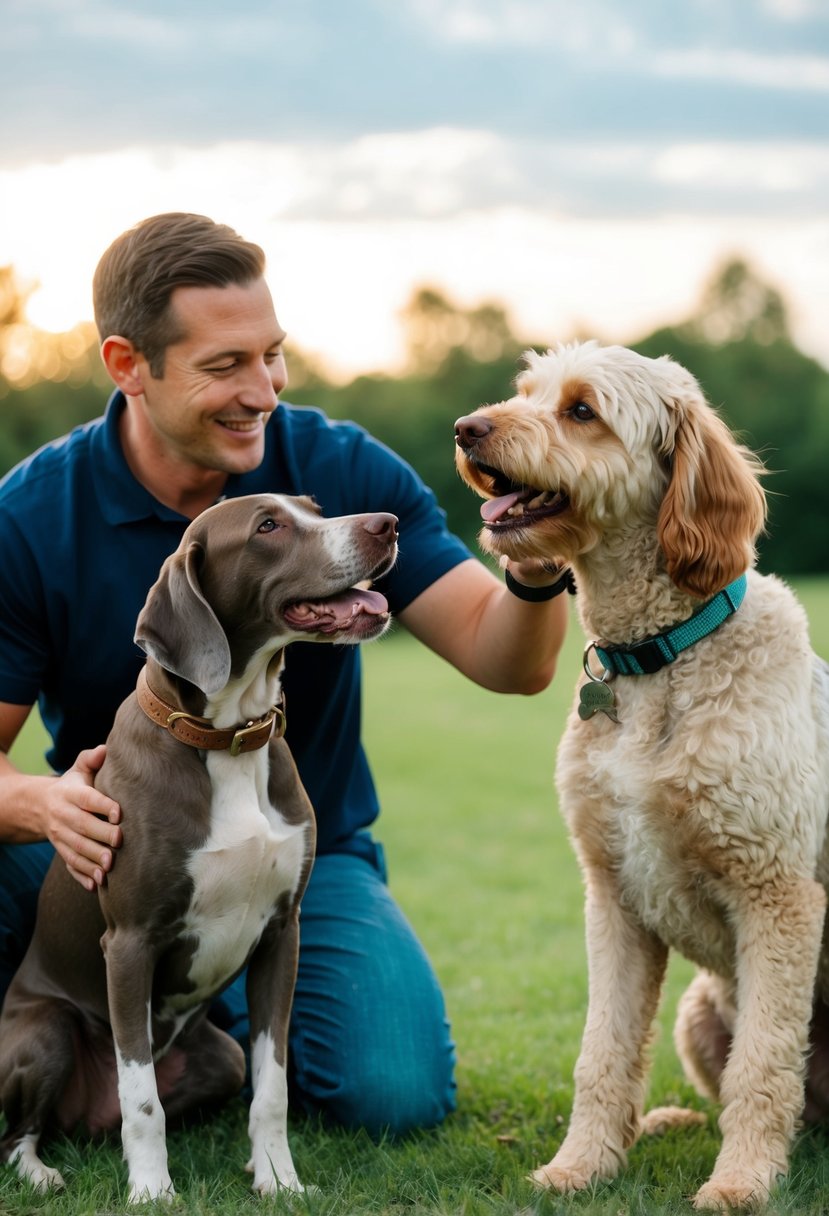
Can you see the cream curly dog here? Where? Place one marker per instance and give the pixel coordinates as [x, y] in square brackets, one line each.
[694, 771]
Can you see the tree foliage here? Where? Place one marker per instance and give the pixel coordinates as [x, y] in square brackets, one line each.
[736, 342]
[738, 346]
[49, 383]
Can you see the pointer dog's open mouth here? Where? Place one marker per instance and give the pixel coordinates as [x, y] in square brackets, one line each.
[516, 505]
[352, 611]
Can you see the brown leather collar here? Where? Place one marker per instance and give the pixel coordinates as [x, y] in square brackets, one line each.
[198, 732]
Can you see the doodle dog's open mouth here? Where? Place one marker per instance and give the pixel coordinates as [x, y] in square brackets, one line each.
[515, 505]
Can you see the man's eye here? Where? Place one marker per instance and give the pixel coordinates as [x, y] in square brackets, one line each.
[268, 525]
[582, 412]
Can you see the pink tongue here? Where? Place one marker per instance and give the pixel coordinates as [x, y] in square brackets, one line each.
[344, 608]
[336, 613]
[496, 507]
[371, 601]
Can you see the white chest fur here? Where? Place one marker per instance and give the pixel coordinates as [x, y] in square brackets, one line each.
[251, 859]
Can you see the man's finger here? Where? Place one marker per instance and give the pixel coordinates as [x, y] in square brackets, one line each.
[86, 881]
[98, 804]
[90, 760]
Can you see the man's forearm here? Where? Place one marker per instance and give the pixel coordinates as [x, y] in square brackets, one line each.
[22, 804]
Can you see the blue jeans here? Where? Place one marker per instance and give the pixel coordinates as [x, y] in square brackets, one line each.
[369, 1041]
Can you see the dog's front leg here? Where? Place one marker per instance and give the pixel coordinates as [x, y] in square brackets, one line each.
[626, 968]
[270, 989]
[129, 988]
[779, 932]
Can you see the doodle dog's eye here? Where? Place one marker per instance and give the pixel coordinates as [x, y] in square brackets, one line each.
[582, 412]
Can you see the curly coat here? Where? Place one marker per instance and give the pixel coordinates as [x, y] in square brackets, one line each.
[699, 818]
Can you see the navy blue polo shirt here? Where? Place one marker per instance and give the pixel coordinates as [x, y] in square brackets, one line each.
[81, 543]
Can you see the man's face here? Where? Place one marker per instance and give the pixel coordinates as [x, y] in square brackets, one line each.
[221, 381]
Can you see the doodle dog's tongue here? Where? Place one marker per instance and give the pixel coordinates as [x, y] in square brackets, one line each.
[337, 613]
[494, 508]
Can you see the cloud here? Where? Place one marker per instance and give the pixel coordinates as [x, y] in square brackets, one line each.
[789, 171]
[795, 72]
[207, 73]
[447, 171]
[386, 138]
[588, 28]
[795, 10]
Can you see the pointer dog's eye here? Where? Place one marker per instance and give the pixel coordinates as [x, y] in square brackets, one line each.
[268, 525]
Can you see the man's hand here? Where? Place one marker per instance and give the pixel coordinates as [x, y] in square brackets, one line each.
[81, 822]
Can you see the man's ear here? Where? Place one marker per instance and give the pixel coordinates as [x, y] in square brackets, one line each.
[121, 361]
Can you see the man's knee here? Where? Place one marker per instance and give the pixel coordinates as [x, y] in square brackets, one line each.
[383, 1095]
[370, 1044]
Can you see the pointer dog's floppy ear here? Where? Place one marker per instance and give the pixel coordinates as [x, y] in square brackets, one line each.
[178, 628]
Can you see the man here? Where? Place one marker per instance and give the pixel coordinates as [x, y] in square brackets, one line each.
[190, 339]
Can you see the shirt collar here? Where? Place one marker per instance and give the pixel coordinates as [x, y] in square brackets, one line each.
[122, 497]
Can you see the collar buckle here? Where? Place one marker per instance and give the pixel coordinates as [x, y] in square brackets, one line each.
[249, 732]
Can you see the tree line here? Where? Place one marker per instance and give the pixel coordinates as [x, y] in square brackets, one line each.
[737, 343]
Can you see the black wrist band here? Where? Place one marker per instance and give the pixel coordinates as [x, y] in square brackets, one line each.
[537, 595]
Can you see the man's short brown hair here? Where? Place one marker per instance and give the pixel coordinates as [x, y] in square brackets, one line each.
[138, 274]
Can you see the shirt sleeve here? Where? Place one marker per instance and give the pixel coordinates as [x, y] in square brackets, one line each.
[383, 481]
[348, 471]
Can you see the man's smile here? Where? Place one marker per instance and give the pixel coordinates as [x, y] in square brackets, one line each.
[243, 424]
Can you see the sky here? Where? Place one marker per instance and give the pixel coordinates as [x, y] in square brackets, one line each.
[588, 165]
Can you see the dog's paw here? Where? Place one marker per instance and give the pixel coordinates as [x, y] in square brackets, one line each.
[665, 1118]
[560, 1177]
[44, 1178]
[25, 1160]
[289, 1184]
[151, 1192]
[580, 1161]
[733, 1192]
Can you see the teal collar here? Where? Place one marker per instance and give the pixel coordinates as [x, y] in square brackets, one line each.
[649, 655]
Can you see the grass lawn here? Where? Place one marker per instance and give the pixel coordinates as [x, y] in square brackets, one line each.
[480, 860]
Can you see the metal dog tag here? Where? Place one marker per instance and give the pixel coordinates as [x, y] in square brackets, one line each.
[597, 698]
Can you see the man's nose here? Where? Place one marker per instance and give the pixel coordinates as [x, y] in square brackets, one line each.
[263, 383]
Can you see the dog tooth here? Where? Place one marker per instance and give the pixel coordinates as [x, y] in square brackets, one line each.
[518, 509]
[538, 500]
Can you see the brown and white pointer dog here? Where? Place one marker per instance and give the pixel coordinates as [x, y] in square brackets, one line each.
[218, 845]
